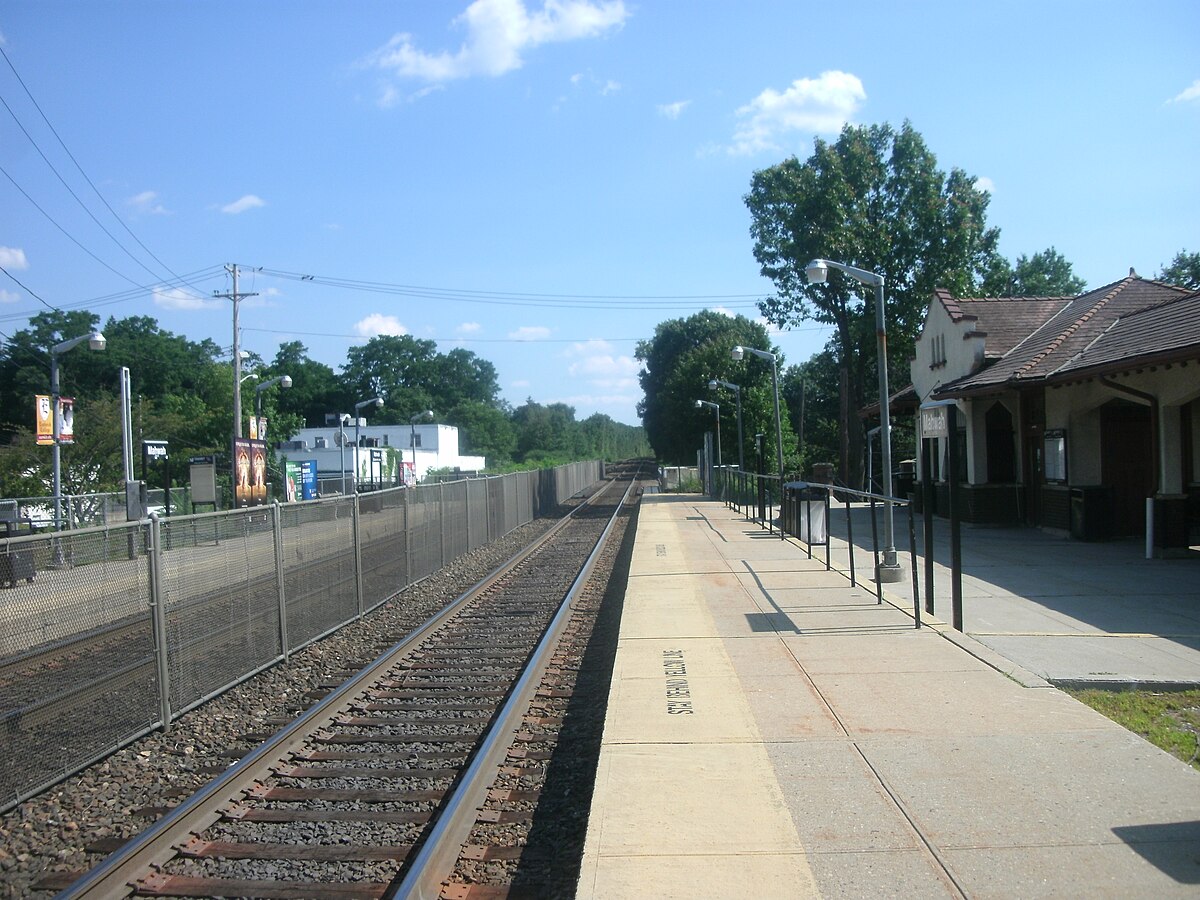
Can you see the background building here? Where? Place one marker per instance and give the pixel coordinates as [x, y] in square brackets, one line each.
[387, 455]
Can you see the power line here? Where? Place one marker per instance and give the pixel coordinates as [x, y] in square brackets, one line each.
[81, 171]
[513, 298]
[27, 290]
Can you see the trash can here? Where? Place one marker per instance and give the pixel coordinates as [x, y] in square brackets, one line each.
[804, 511]
[1090, 513]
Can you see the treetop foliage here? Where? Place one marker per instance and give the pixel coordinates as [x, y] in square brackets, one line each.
[182, 392]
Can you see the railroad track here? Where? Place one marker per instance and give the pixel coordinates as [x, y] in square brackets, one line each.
[374, 791]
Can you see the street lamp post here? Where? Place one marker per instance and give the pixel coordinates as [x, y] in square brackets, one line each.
[412, 424]
[376, 402]
[95, 341]
[700, 404]
[738, 353]
[817, 271]
[737, 393]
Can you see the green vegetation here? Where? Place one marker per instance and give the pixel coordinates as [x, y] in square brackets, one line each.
[1169, 720]
[183, 393]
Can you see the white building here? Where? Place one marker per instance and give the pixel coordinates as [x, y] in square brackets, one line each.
[388, 454]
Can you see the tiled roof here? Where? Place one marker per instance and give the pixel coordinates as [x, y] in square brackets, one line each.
[1060, 338]
[1170, 330]
[1006, 321]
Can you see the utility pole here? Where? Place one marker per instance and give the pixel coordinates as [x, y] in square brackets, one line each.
[232, 269]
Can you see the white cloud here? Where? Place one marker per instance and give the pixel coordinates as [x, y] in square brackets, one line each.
[529, 333]
[983, 183]
[596, 362]
[249, 201]
[610, 87]
[468, 328]
[147, 202]
[13, 258]
[8, 296]
[673, 110]
[520, 383]
[177, 298]
[1188, 94]
[376, 324]
[498, 32]
[815, 105]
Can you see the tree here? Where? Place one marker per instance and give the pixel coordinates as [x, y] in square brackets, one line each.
[874, 199]
[545, 433]
[679, 361]
[315, 391]
[484, 431]
[1184, 270]
[1045, 274]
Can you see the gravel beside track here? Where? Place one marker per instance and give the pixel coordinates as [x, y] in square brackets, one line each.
[45, 841]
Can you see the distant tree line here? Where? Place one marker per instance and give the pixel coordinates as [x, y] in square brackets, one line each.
[183, 393]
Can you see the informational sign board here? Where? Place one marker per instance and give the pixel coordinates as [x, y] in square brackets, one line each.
[933, 422]
[302, 480]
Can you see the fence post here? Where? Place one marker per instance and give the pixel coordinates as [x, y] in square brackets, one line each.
[159, 623]
[277, 530]
[407, 539]
[850, 542]
[442, 521]
[912, 556]
[358, 573]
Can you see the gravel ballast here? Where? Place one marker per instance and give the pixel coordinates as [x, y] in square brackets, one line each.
[48, 836]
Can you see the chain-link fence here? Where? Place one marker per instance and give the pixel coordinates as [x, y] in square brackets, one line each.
[110, 632]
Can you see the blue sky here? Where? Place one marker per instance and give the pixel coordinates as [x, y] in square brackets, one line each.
[543, 183]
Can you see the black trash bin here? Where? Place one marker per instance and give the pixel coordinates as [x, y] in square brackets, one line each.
[1090, 513]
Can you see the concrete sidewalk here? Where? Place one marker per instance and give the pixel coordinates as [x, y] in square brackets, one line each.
[774, 732]
[1073, 612]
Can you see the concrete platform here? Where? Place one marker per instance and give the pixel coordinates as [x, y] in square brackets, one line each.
[774, 732]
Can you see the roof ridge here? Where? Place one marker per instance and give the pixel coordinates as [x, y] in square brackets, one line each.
[1062, 336]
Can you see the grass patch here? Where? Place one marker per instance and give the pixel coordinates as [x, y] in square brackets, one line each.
[1169, 720]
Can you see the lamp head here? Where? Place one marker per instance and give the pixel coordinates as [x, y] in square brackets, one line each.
[285, 381]
[816, 271]
[712, 385]
[699, 404]
[97, 341]
[737, 352]
[378, 402]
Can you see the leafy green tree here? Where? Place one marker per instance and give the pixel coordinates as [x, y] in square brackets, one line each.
[484, 430]
[463, 377]
[400, 368]
[1045, 274]
[315, 391]
[875, 199]
[677, 364]
[1184, 270]
[545, 434]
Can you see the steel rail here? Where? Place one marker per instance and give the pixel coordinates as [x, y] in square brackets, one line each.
[156, 845]
[439, 852]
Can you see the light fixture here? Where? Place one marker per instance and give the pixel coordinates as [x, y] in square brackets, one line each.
[889, 569]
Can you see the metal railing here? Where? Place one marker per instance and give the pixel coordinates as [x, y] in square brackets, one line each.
[805, 510]
[114, 631]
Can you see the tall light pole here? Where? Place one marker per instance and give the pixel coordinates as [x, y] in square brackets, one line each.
[817, 271]
[738, 353]
[376, 402]
[412, 424]
[737, 393]
[700, 404]
[95, 341]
